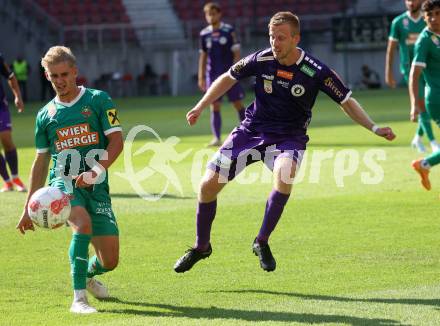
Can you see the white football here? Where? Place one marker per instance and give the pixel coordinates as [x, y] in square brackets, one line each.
[49, 208]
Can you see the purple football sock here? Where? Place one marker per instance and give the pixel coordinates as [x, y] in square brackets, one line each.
[3, 171]
[274, 208]
[12, 159]
[204, 217]
[241, 114]
[216, 123]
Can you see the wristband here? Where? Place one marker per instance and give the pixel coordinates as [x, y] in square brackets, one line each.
[374, 128]
[98, 169]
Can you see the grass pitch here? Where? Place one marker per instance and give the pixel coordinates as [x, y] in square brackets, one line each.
[348, 253]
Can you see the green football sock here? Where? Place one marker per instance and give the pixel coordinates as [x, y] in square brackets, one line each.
[95, 267]
[79, 254]
[425, 125]
[433, 159]
[419, 131]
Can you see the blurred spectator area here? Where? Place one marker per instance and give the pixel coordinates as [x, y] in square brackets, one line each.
[256, 13]
[91, 20]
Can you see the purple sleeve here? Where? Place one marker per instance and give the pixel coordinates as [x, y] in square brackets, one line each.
[4, 70]
[332, 85]
[245, 67]
[202, 44]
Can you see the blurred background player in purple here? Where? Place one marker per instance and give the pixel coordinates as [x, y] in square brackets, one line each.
[10, 157]
[219, 50]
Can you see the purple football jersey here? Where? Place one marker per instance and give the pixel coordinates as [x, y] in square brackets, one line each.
[219, 44]
[5, 72]
[285, 95]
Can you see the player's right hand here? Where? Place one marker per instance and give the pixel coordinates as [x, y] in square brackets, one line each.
[414, 113]
[193, 115]
[202, 85]
[390, 81]
[19, 104]
[25, 223]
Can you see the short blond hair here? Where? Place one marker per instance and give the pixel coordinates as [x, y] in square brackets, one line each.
[286, 17]
[58, 54]
[212, 5]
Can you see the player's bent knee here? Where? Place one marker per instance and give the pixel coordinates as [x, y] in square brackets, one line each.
[111, 263]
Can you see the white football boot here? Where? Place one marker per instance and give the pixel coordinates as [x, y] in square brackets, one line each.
[80, 304]
[418, 145]
[435, 146]
[96, 288]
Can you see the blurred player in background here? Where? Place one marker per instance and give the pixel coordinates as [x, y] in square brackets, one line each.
[79, 121]
[404, 32]
[287, 84]
[10, 157]
[219, 50]
[427, 63]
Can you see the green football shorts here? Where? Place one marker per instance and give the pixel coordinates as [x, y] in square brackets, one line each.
[96, 200]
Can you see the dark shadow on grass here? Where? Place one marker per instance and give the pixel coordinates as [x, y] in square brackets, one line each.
[235, 314]
[409, 301]
[131, 195]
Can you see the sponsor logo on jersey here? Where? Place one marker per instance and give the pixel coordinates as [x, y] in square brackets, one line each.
[268, 77]
[298, 90]
[75, 136]
[86, 112]
[268, 86]
[331, 84]
[283, 83]
[285, 74]
[239, 65]
[411, 39]
[223, 40]
[307, 70]
[112, 116]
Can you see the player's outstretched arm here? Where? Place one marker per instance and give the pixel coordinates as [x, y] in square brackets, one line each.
[13, 84]
[389, 78]
[39, 171]
[354, 110]
[114, 148]
[221, 85]
[414, 77]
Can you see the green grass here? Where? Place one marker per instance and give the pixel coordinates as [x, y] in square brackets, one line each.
[353, 255]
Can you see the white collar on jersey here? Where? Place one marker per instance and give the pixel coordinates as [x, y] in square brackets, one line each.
[301, 57]
[82, 90]
[220, 27]
[415, 20]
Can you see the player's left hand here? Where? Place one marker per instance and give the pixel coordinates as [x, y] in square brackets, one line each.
[386, 132]
[80, 180]
[19, 104]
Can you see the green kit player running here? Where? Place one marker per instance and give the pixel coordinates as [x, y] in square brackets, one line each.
[80, 130]
[404, 32]
[427, 62]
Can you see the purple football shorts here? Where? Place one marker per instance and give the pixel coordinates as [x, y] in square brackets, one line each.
[243, 147]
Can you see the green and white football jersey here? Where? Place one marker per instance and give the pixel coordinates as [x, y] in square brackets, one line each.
[76, 127]
[405, 30]
[427, 55]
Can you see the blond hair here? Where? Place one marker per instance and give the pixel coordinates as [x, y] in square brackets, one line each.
[58, 54]
[212, 5]
[286, 17]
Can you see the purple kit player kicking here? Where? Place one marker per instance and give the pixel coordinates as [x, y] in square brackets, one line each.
[219, 50]
[275, 129]
[10, 156]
